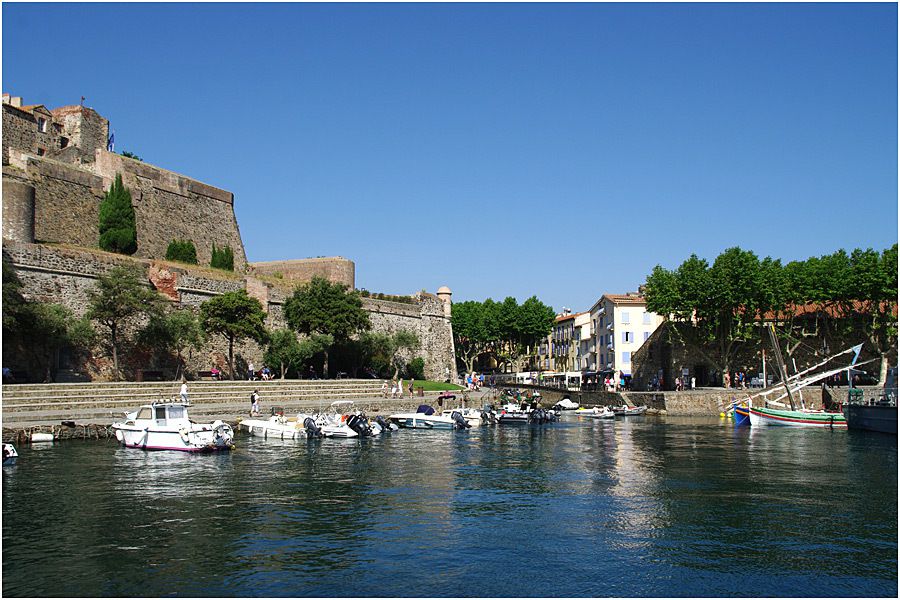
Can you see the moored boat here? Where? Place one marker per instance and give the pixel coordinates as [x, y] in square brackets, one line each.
[278, 426]
[760, 415]
[875, 414]
[628, 411]
[425, 418]
[9, 455]
[165, 425]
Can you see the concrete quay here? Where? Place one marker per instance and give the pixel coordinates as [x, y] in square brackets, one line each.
[86, 410]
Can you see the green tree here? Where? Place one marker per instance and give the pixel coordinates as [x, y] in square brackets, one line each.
[132, 155]
[323, 307]
[222, 258]
[182, 251]
[55, 327]
[469, 335]
[235, 316]
[118, 232]
[173, 331]
[120, 297]
[289, 353]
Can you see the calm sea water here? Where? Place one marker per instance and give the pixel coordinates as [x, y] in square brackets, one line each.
[642, 507]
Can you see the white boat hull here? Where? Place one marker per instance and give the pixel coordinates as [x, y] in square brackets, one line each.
[199, 438]
[422, 421]
[274, 428]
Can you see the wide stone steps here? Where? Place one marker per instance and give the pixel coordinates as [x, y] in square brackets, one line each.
[25, 405]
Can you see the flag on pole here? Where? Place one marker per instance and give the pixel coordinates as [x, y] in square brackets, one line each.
[111, 142]
[856, 350]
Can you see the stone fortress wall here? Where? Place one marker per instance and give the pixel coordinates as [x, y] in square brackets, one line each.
[335, 269]
[55, 174]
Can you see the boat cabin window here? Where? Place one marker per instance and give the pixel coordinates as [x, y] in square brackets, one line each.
[176, 412]
[161, 414]
[144, 413]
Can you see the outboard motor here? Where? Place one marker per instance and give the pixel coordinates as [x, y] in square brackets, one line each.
[222, 434]
[359, 424]
[312, 430]
[385, 426]
[460, 420]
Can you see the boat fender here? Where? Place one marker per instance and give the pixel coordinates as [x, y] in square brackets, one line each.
[185, 434]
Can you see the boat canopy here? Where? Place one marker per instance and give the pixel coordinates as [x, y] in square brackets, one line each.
[425, 409]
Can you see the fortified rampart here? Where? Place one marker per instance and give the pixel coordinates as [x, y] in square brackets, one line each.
[335, 269]
[56, 170]
[66, 275]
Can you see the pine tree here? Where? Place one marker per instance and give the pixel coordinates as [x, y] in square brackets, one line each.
[118, 232]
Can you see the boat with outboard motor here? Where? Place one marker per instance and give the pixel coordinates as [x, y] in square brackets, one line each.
[165, 425]
[566, 404]
[597, 412]
[519, 414]
[426, 418]
[341, 421]
[628, 411]
[9, 455]
[278, 426]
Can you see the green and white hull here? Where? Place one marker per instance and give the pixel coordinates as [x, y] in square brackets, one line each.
[796, 418]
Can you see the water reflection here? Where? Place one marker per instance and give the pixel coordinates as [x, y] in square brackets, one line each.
[697, 507]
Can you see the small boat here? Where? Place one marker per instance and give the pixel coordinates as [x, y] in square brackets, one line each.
[165, 425]
[566, 404]
[741, 414]
[278, 426]
[473, 416]
[515, 414]
[629, 411]
[598, 412]
[761, 415]
[425, 418]
[875, 414]
[9, 455]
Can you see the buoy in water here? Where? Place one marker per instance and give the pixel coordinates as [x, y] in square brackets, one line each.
[722, 415]
[41, 437]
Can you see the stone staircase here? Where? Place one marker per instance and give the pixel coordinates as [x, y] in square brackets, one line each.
[27, 405]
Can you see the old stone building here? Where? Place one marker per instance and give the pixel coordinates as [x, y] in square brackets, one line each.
[56, 169]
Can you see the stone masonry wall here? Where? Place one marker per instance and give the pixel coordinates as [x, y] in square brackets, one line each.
[19, 129]
[170, 206]
[335, 269]
[66, 275]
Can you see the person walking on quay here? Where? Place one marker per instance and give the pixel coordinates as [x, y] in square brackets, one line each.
[251, 372]
[400, 388]
[693, 382]
[411, 381]
[184, 392]
[393, 388]
[727, 380]
[254, 403]
[384, 389]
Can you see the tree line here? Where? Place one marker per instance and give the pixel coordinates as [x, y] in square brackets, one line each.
[722, 305]
[324, 320]
[505, 331]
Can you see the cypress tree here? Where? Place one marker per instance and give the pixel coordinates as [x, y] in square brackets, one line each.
[222, 258]
[118, 231]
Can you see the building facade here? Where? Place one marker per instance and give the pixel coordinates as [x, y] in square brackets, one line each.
[621, 324]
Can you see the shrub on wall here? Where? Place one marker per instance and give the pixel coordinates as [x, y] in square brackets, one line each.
[182, 251]
[118, 231]
[222, 258]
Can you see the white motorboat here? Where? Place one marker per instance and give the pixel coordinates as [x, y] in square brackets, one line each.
[566, 404]
[598, 412]
[9, 455]
[425, 418]
[473, 416]
[512, 414]
[341, 421]
[165, 425]
[278, 426]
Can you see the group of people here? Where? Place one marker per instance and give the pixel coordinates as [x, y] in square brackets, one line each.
[264, 374]
[739, 381]
[681, 382]
[475, 381]
[396, 387]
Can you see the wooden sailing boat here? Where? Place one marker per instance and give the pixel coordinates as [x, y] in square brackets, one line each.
[771, 411]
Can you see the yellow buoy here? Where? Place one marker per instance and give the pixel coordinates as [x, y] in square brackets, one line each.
[722, 415]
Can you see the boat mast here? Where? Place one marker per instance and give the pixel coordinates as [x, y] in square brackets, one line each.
[780, 362]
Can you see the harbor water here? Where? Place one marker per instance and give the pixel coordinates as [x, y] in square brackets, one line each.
[673, 507]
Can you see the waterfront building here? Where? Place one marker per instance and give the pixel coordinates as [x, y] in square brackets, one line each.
[621, 324]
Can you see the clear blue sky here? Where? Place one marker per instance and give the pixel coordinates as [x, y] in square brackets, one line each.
[509, 149]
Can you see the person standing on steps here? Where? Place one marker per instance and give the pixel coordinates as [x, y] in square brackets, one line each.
[184, 392]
